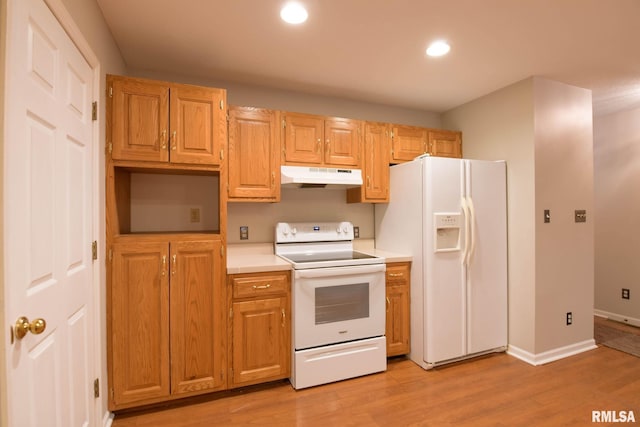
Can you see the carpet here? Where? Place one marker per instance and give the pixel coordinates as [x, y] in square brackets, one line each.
[617, 338]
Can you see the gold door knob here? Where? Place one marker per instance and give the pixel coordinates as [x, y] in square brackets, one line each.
[23, 326]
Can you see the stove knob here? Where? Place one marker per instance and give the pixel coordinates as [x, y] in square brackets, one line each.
[338, 230]
[285, 231]
[294, 231]
[345, 230]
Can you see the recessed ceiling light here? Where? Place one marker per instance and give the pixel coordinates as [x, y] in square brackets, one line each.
[294, 13]
[438, 48]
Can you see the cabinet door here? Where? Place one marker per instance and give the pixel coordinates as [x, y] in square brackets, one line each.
[254, 168]
[197, 307]
[303, 139]
[342, 142]
[261, 341]
[408, 142]
[139, 322]
[445, 144]
[376, 163]
[397, 326]
[139, 119]
[198, 124]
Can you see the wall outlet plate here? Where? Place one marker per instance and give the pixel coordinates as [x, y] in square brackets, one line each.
[547, 216]
[569, 318]
[356, 232]
[626, 294]
[581, 215]
[244, 232]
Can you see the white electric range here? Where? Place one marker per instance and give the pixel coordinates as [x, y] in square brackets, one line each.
[338, 303]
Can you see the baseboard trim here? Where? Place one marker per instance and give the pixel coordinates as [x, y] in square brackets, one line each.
[617, 317]
[551, 355]
[107, 420]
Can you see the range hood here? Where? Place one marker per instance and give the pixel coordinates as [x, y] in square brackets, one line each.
[318, 177]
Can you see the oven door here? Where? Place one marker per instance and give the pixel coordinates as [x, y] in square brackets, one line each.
[338, 304]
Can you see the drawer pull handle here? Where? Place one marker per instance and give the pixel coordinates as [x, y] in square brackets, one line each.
[396, 274]
[267, 286]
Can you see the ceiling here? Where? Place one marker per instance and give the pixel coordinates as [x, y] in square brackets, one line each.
[374, 50]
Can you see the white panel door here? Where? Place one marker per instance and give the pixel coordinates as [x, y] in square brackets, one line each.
[444, 287]
[48, 220]
[487, 271]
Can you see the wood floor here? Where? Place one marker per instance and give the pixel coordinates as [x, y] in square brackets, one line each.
[497, 390]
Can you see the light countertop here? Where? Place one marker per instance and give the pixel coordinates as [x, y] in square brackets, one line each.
[259, 257]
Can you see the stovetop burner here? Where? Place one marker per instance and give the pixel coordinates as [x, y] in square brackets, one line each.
[319, 245]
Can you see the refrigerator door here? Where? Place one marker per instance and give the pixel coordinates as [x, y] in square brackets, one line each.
[444, 290]
[486, 293]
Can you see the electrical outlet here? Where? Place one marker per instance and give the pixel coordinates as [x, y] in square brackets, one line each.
[244, 232]
[356, 232]
[194, 215]
[569, 318]
[626, 293]
[547, 216]
[580, 215]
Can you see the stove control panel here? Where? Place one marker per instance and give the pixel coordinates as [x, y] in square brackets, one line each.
[313, 231]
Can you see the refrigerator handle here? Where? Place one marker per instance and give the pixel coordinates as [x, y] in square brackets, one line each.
[465, 210]
[472, 229]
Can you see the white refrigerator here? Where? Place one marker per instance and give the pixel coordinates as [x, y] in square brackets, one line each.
[451, 216]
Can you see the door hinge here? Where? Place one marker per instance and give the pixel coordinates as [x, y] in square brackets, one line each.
[96, 388]
[109, 148]
[110, 255]
[110, 91]
[284, 124]
[111, 391]
[221, 154]
[222, 250]
[94, 250]
[94, 111]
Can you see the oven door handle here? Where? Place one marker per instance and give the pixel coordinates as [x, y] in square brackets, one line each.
[339, 271]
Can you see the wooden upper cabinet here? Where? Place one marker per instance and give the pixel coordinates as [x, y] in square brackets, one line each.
[342, 142]
[139, 119]
[254, 148]
[198, 124]
[443, 143]
[408, 142]
[322, 141]
[166, 122]
[375, 166]
[303, 136]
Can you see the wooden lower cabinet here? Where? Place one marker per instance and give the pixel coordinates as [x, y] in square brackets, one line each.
[260, 333]
[165, 318]
[398, 281]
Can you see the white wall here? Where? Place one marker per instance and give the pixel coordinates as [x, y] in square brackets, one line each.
[617, 209]
[543, 130]
[4, 422]
[563, 183]
[500, 126]
[297, 205]
[255, 96]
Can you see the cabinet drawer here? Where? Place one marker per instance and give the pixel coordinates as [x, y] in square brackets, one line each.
[397, 274]
[253, 286]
